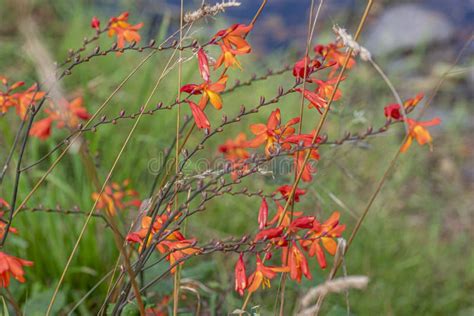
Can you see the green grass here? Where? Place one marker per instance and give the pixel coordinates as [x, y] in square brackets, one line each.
[414, 245]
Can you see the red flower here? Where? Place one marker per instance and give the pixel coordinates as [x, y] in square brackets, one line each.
[393, 111]
[125, 32]
[303, 222]
[200, 117]
[263, 214]
[299, 67]
[42, 128]
[95, 23]
[203, 65]
[269, 233]
[4, 204]
[241, 281]
[285, 191]
[10, 265]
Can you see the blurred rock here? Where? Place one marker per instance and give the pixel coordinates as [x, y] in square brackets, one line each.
[407, 26]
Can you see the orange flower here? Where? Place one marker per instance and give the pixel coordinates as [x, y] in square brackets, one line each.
[332, 54]
[112, 199]
[298, 264]
[68, 114]
[234, 150]
[326, 88]
[283, 217]
[241, 280]
[308, 170]
[316, 101]
[75, 111]
[4, 204]
[209, 90]
[125, 32]
[232, 42]
[23, 100]
[178, 250]
[323, 233]
[175, 243]
[418, 131]
[263, 274]
[10, 265]
[413, 101]
[273, 133]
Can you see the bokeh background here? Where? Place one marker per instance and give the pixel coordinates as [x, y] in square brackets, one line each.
[416, 244]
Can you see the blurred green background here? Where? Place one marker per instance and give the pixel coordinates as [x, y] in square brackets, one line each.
[416, 244]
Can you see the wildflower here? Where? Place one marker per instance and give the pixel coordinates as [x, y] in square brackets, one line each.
[68, 114]
[303, 222]
[10, 265]
[332, 54]
[273, 133]
[234, 150]
[308, 169]
[418, 131]
[209, 91]
[285, 191]
[200, 117]
[125, 32]
[270, 233]
[178, 250]
[263, 274]
[325, 89]
[232, 42]
[23, 100]
[42, 128]
[263, 214]
[298, 264]
[412, 102]
[282, 217]
[394, 111]
[112, 199]
[323, 233]
[203, 64]
[316, 101]
[175, 245]
[305, 63]
[95, 23]
[4, 204]
[241, 280]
